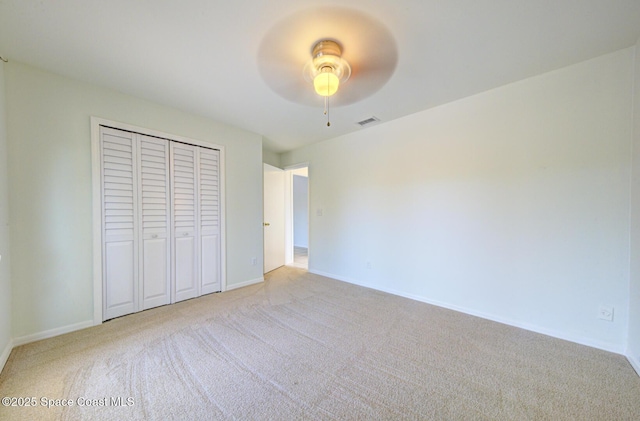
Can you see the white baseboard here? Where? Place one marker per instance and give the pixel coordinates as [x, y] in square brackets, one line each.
[51, 333]
[245, 284]
[635, 363]
[526, 326]
[5, 354]
[89, 323]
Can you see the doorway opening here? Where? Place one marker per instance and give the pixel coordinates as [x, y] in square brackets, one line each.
[297, 216]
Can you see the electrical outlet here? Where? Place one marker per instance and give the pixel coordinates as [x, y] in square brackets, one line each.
[369, 266]
[605, 313]
[254, 261]
[319, 212]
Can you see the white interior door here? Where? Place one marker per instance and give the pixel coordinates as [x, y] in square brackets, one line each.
[154, 221]
[119, 214]
[209, 206]
[185, 221]
[274, 248]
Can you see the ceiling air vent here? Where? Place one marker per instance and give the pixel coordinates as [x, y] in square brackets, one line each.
[368, 121]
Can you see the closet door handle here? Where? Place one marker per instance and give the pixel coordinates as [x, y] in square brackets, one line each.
[154, 236]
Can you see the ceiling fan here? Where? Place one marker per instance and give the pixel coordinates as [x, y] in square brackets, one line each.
[310, 55]
[327, 70]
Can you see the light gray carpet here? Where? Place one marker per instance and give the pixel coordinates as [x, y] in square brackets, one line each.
[301, 346]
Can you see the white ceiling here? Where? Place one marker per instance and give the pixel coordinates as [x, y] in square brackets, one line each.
[201, 56]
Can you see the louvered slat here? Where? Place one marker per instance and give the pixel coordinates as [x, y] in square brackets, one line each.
[154, 186]
[184, 181]
[209, 190]
[118, 185]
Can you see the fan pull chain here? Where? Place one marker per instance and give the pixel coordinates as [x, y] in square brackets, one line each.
[326, 103]
[326, 99]
[326, 109]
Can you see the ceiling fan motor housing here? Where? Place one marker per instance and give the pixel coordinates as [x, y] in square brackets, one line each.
[326, 56]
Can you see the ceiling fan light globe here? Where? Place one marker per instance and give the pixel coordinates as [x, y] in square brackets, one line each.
[326, 83]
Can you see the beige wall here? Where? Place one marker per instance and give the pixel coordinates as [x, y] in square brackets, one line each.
[512, 204]
[49, 141]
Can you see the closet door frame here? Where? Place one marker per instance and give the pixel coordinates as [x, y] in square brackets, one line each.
[96, 122]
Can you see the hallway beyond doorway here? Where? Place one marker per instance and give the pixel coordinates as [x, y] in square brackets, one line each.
[301, 257]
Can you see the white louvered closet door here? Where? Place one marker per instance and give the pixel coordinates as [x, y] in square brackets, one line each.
[161, 226]
[155, 256]
[185, 250]
[209, 206]
[120, 212]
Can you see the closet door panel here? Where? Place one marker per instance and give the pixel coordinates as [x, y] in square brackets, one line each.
[210, 264]
[185, 221]
[154, 221]
[120, 279]
[155, 267]
[186, 286]
[209, 206]
[119, 214]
